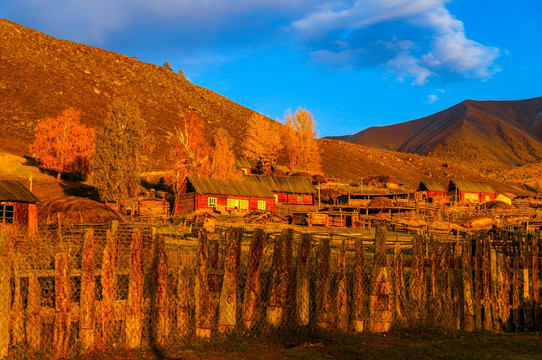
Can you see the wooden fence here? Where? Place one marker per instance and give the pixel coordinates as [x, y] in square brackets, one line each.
[154, 289]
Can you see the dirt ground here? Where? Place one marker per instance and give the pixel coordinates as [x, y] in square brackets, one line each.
[410, 344]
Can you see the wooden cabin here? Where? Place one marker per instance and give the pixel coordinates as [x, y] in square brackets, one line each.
[433, 191]
[223, 195]
[243, 164]
[17, 206]
[287, 190]
[471, 191]
[152, 207]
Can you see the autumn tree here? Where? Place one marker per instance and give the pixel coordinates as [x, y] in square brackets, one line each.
[63, 144]
[118, 160]
[262, 142]
[300, 141]
[223, 158]
[191, 152]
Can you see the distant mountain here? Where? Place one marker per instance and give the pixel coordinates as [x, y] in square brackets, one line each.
[484, 134]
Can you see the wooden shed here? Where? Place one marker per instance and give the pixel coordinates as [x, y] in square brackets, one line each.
[471, 191]
[152, 207]
[243, 164]
[433, 191]
[287, 190]
[17, 206]
[221, 194]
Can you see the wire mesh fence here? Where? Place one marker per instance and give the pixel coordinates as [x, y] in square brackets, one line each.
[80, 289]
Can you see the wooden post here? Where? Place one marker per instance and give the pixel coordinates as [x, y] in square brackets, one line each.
[253, 286]
[468, 301]
[399, 284]
[303, 282]
[88, 293]
[33, 318]
[515, 293]
[418, 287]
[202, 295]
[379, 303]
[456, 287]
[61, 336]
[359, 298]
[17, 312]
[488, 319]
[161, 327]
[503, 292]
[182, 303]
[227, 311]
[494, 295]
[478, 300]
[435, 303]
[527, 301]
[536, 297]
[279, 301]
[446, 290]
[341, 299]
[109, 286]
[323, 302]
[5, 295]
[134, 316]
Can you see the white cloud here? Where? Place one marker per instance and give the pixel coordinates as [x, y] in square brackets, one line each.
[448, 48]
[431, 99]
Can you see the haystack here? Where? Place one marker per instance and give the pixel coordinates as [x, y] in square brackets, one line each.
[498, 205]
[381, 202]
[76, 210]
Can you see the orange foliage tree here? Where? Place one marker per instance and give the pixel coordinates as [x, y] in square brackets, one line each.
[300, 141]
[63, 144]
[223, 158]
[262, 142]
[191, 152]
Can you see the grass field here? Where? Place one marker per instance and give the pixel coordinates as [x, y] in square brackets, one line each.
[423, 344]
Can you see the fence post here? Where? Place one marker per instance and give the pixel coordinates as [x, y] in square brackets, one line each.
[253, 286]
[17, 314]
[302, 281]
[341, 300]
[399, 283]
[33, 319]
[457, 291]
[323, 301]
[468, 302]
[227, 311]
[202, 296]
[183, 304]
[134, 316]
[503, 293]
[536, 290]
[488, 314]
[161, 327]
[527, 302]
[5, 295]
[494, 291]
[446, 290]
[61, 336]
[515, 293]
[435, 303]
[109, 285]
[358, 301]
[418, 287]
[478, 285]
[88, 292]
[279, 300]
[380, 304]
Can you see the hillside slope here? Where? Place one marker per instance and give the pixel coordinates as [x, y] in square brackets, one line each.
[486, 134]
[41, 75]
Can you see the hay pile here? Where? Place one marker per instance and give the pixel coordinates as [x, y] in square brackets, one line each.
[381, 202]
[76, 210]
[498, 205]
[476, 222]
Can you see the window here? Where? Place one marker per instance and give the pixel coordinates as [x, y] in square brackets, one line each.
[211, 202]
[244, 204]
[231, 203]
[299, 198]
[7, 214]
[261, 204]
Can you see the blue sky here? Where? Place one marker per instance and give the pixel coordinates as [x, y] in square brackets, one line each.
[352, 63]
